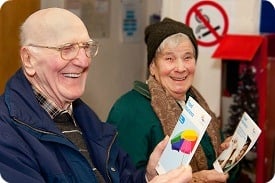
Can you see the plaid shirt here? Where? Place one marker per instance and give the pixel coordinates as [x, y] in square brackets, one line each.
[48, 106]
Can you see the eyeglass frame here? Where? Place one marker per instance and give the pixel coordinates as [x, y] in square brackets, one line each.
[79, 45]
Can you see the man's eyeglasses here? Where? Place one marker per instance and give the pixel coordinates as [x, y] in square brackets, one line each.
[69, 51]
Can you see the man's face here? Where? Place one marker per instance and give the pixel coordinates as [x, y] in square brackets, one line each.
[61, 80]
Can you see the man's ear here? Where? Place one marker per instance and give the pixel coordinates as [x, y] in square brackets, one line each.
[27, 61]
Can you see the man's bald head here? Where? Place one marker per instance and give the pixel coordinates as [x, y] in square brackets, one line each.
[53, 26]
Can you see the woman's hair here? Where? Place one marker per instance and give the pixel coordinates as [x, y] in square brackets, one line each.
[173, 41]
[157, 32]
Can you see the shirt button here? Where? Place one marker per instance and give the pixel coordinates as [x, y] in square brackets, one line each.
[113, 169]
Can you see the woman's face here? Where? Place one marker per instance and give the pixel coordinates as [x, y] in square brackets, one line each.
[174, 68]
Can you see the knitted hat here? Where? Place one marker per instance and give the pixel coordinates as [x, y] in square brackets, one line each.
[156, 33]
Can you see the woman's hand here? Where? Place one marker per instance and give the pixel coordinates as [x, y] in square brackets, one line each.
[209, 176]
[225, 144]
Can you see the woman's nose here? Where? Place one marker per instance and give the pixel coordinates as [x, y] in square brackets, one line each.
[180, 65]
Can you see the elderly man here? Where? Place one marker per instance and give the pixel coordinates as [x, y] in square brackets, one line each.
[47, 133]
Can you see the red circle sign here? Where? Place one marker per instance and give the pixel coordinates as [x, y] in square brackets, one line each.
[215, 30]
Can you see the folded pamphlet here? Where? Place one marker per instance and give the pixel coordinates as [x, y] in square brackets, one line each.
[185, 137]
[243, 139]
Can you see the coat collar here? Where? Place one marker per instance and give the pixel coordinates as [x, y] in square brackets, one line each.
[24, 107]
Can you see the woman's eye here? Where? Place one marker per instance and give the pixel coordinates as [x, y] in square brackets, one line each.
[187, 58]
[168, 58]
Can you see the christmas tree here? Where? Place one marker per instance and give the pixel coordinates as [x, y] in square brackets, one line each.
[245, 99]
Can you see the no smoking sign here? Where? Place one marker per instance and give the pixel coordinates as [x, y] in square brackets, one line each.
[209, 21]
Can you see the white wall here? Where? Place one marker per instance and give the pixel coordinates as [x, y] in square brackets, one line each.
[115, 68]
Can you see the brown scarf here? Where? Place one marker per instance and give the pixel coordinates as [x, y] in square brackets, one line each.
[168, 112]
[165, 106]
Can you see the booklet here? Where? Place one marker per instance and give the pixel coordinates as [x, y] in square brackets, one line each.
[185, 137]
[243, 139]
[272, 180]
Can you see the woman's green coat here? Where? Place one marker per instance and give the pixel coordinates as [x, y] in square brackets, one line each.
[140, 129]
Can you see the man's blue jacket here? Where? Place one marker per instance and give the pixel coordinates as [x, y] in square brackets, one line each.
[32, 148]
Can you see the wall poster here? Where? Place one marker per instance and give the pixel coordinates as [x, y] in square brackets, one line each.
[94, 13]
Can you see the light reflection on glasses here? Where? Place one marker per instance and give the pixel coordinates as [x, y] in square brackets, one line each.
[69, 51]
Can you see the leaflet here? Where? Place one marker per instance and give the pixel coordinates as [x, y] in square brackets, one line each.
[243, 139]
[185, 137]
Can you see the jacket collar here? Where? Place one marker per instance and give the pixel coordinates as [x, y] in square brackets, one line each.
[142, 88]
[24, 107]
[22, 104]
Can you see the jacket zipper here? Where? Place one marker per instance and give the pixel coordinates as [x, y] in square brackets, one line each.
[42, 131]
[108, 156]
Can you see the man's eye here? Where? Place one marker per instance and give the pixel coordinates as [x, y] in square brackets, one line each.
[85, 45]
[68, 48]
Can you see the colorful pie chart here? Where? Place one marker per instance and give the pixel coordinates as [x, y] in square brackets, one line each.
[184, 141]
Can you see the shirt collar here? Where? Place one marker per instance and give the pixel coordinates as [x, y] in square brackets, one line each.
[48, 105]
[182, 102]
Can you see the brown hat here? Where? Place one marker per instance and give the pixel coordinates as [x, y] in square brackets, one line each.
[156, 33]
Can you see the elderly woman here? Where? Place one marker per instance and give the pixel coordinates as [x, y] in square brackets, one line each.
[149, 111]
